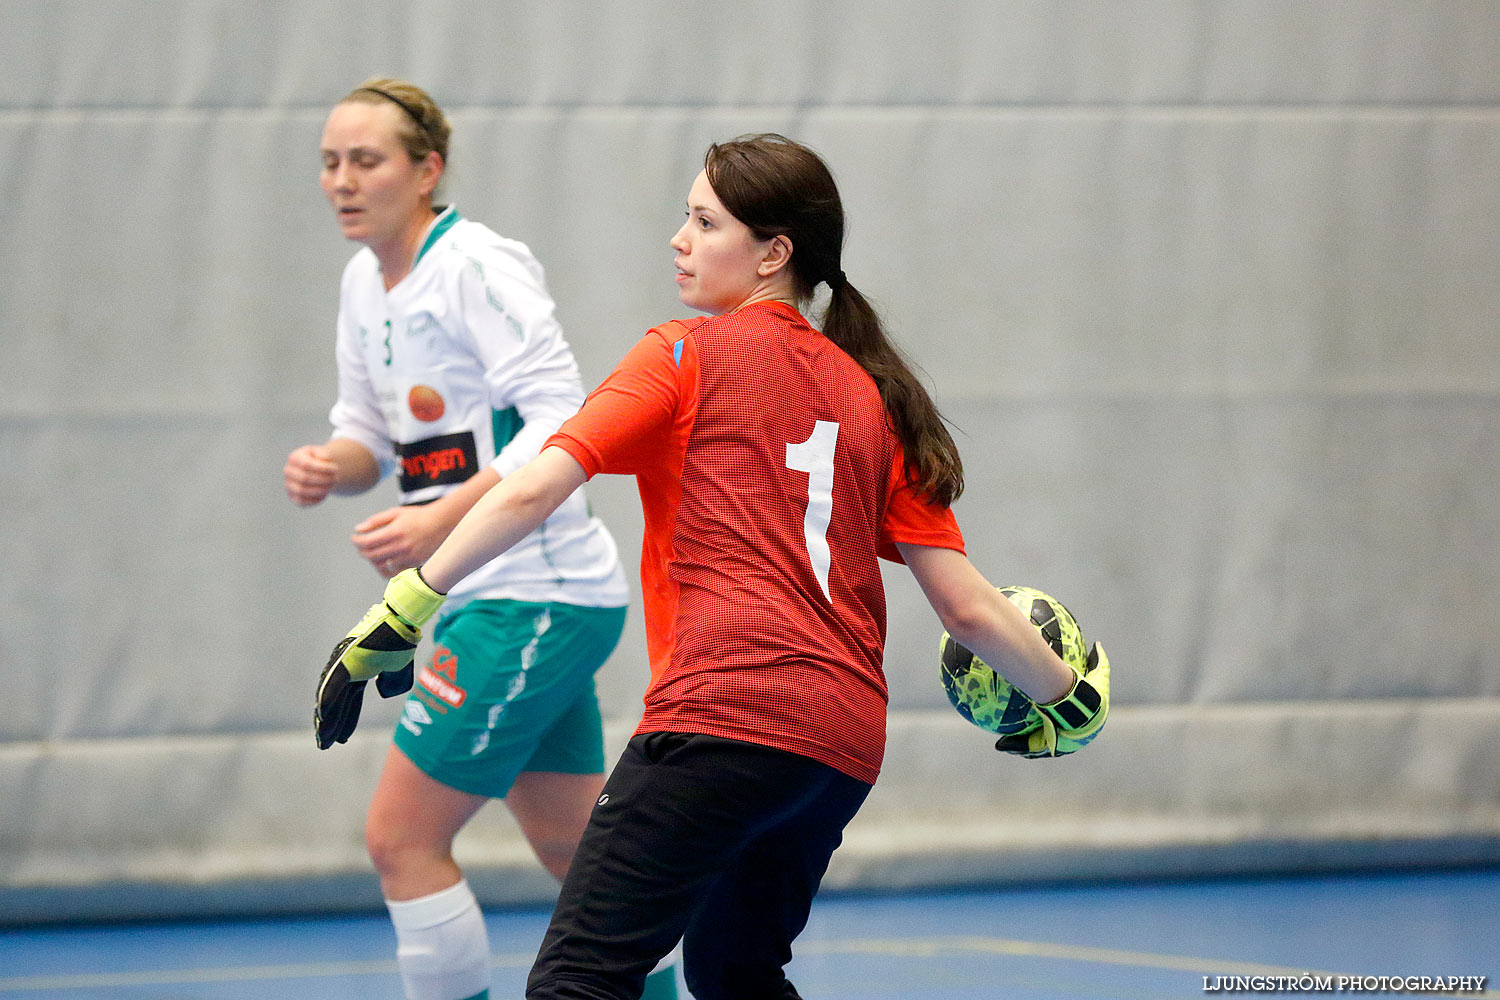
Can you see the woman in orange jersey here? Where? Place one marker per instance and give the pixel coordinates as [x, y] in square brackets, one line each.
[775, 462]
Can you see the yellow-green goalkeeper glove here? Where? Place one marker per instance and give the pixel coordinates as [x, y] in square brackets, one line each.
[1071, 722]
[383, 645]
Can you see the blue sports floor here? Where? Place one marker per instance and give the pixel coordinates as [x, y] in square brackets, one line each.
[1121, 941]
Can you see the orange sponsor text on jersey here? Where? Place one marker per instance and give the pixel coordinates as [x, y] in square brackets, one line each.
[433, 464]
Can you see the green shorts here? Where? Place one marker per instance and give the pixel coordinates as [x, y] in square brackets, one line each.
[509, 688]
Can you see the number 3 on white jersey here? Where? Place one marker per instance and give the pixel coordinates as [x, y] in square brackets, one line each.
[815, 457]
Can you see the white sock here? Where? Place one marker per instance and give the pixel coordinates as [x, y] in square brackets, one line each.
[442, 946]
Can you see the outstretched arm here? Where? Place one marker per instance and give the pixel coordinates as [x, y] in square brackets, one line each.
[383, 643]
[978, 616]
[507, 513]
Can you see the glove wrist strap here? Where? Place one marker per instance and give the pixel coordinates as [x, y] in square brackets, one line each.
[1075, 709]
[409, 596]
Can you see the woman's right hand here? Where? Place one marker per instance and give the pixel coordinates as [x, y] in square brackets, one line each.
[309, 474]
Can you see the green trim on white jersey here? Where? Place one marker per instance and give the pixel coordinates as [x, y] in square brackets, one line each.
[444, 222]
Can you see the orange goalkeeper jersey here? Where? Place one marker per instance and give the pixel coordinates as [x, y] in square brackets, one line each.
[770, 480]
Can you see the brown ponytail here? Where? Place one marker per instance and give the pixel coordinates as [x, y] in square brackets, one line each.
[778, 187]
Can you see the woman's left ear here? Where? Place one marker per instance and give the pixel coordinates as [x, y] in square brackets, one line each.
[433, 163]
[778, 255]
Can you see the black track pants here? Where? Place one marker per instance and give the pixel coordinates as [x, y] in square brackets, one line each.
[716, 842]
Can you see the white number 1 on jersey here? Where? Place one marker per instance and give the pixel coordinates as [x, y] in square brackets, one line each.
[815, 457]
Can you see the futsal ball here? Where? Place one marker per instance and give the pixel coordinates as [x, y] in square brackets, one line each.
[985, 698]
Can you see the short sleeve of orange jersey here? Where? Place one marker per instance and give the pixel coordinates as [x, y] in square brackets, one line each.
[620, 427]
[911, 520]
[623, 423]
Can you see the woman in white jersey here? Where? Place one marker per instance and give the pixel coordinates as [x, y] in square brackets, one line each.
[452, 371]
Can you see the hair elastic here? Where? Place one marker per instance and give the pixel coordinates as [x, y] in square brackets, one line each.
[836, 281]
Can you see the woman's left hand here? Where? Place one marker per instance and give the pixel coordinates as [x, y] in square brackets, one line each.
[399, 538]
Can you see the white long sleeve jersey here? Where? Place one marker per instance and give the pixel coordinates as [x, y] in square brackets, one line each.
[463, 365]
